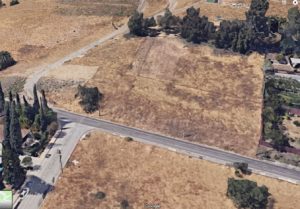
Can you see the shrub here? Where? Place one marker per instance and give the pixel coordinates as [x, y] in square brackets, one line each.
[296, 123]
[128, 139]
[27, 161]
[6, 60]
[246, 194]
[52, 128]
[100, 195]
[90, 98]
[243, 167]
[14, 2]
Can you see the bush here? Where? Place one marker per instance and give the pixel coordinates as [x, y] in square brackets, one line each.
[90, 98]
[296, 123]
[14, 2]
[243, 167]
[128, 139]
[100, 195]
[27, 161]
[52, 128]
[6, 60]
[246, 194]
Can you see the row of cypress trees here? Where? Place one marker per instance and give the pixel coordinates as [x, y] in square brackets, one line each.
[16, 116]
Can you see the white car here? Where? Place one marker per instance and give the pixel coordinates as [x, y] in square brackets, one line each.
[24, 192]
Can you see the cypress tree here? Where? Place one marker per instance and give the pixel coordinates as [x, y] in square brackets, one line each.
[6, 131]
[36, 103]
[18, 106]
[44, 101]
[2, 100]
[43, 120]
[16, 139]
[28, 113]
[10, 97]
[13, 173]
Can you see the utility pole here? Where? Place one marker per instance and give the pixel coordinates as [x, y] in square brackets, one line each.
[60, 160]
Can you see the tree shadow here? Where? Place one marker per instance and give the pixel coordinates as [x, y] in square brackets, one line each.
[38, 186]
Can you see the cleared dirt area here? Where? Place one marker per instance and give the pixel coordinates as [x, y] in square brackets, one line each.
[226, 11]
[162, 85]
[41, 31]
[149, 175]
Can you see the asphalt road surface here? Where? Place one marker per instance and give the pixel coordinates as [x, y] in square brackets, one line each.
[280, 171]
[41, 180]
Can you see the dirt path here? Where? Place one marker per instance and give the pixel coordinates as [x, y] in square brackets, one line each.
[42, 70]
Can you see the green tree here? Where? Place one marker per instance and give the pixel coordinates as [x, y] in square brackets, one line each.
[13, 173]
[2, 99]
[169, 21]
[6, 126]
[43, 120]
[14, 2]
[246, 194]
[90, 98]
[10, 96]
[36, 103]
[290, 43]
[27, 116]
[18, 104]
[16, 139]
[135, 24]
[44, 102]
[195, 28]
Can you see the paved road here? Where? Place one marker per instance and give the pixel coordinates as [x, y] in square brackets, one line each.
[283, 172]
[41, 180]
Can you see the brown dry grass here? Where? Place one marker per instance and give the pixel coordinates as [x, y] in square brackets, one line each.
[146, 174]
[159, 84]
[227, 12]
[42, 31]
[292, 130]
[154, 6]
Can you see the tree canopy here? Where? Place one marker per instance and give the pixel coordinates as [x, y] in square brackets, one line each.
[246, 194]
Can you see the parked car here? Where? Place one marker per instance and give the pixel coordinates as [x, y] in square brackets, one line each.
[24, 192]
[48, 155]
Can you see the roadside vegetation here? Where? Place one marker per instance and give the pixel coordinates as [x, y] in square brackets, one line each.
[257, 33]
[90, 98]
[41, 123]
[247, 194]
[280, 95]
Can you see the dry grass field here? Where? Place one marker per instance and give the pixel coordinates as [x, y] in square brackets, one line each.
[154, 6]
[226, 11]
[145, 174]
[159, 84]
[42, 31]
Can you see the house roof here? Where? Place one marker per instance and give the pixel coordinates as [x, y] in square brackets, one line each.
[294, 111]
[295, 61]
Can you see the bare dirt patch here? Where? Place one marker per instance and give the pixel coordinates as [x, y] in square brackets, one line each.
[145, 174]
[159, 84]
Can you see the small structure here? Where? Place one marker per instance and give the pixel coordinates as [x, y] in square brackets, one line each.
[294, 111]
[295, 62]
